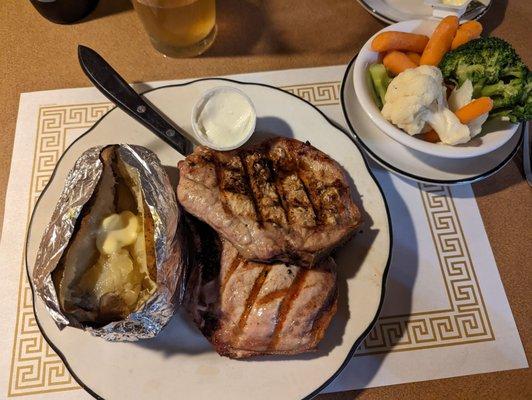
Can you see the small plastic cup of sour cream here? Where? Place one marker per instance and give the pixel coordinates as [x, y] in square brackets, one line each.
[224, 118]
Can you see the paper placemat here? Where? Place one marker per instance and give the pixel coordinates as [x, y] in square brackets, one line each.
[445, 313]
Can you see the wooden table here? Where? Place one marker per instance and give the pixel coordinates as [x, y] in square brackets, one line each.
[259, 35]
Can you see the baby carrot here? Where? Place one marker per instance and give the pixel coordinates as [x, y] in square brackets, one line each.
[396, 62]
[466, 32]
[475, 109]
[414, 57]
[392, 40]
[440, 41]
[430, 136]
[466, 114]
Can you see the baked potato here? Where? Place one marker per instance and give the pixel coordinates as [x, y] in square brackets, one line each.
[108, 269]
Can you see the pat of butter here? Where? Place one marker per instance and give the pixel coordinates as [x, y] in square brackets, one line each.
[225, 118]
[117, 231]
[118, 278]
[453, 2]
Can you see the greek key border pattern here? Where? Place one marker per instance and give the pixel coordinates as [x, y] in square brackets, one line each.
[319, 94]
[36, 369]
[466, 321]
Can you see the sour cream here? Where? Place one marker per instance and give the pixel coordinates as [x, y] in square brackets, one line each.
[224, 118]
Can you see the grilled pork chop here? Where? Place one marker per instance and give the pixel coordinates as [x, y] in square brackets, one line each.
[246, 308]
[280, 200]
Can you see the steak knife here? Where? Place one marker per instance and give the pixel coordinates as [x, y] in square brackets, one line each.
[116, 89]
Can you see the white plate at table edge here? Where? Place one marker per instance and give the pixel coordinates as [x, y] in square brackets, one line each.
[511, 146]
[380, 15]
[386, 225]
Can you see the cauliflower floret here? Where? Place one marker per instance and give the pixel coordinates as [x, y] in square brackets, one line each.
[459, 97]
[417, 96]
[448, 126]
[410, 96]
[475, 126]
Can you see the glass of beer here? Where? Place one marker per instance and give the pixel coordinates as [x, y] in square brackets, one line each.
[179, 28]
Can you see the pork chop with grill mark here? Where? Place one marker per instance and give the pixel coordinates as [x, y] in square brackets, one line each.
[281, 200]
[247, 309]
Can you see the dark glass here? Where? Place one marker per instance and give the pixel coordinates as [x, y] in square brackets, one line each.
[64, 11]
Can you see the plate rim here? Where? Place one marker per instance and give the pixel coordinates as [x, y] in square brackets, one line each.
[446, 182]
[386, 269]
[390, 21]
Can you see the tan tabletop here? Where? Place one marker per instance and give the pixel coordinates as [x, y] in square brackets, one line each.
[257, 35]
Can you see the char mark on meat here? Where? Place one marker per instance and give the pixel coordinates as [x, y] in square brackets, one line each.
[281, 200]
[248, 309]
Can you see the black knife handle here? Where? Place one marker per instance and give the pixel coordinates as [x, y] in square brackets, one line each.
[116, 89]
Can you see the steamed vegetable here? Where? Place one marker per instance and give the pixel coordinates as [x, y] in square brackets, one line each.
[415, 57]
[396, 62]
[474, 109]
[440, 41]
[467, 31]
[448, 126]
[516, 114]
[520, 112]
[380, 80]
[496, 71]
[462, 96]
[412, 96]
[504, 94]
[391, 40]
[483, 61]
[430, 136]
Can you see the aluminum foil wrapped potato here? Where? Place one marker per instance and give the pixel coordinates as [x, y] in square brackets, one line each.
[111, 260]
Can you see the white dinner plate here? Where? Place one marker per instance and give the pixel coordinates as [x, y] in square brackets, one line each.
[179, 362]
[392, 11]
[412, 163]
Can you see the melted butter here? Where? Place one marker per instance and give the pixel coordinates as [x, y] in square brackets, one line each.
[117, 231]
[454, 2]
[120, 269]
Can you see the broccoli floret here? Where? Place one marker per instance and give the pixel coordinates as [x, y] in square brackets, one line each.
[380, 81]
[481, 59]
[523, 110]
[527, 91]
[515, 114]
[517, 70]
[504, 94]
[496, 71]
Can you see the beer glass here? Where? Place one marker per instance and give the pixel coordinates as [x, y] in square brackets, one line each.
[178, 28]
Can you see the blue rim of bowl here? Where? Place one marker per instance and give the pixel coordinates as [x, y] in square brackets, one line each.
[391, 167]
[384, 274]
[390, 21]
